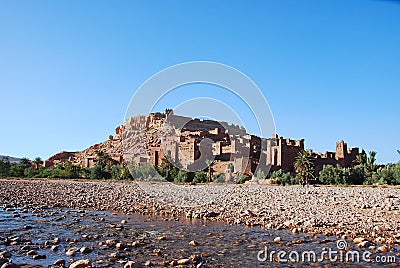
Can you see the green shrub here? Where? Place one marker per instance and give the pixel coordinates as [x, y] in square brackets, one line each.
[173, 173]
[164, 172]
[241, 179]
[260, 175]
[182, 176]
[288, 179]
[331, 175]
[100, 172]
[145, 171]
[283, 178]
[276, 176]
[18, 169]
[389, 174]
[219, 178]
[120, 172]
[29, 172]
[358, 175]
[200, 177]
[116, 172]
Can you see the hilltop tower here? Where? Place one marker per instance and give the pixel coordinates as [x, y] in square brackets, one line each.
[341, 150]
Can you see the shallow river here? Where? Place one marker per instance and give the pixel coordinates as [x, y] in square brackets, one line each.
[157, 240]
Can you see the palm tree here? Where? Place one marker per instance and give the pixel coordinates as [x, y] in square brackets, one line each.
[304, 166]
[361, 159]
[25, 162]
[371, 161]
[37, 162]
[210, 164]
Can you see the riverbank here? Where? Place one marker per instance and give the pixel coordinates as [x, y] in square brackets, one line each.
[367, 216]
[68, 237]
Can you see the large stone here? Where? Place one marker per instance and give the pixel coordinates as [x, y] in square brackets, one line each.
[110, 242]
[183, 261]
[5, 254]
[10, 265]
[59, 262]
[358, 240]
[288, 223]
[81, 264]
[119, 246]
[39, 257]
[85, 250]
[193, 243]
[383, 249]
[295, 230]
[71, 252]
[132, 264]
[3, 261]
[363, 244]
[31, 253]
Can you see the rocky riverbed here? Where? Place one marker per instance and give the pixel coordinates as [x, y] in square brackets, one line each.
[367, 218]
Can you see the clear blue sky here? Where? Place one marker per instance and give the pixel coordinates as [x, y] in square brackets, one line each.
[330, 70]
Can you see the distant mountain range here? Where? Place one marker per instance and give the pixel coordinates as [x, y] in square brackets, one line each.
[12, 159]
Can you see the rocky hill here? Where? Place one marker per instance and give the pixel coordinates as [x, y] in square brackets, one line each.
[138, 136]
[85, 158]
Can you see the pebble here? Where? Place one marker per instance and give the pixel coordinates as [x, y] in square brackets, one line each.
[277, 239]
[81, 264]
[114, 255]
[119, 246]
[85, 250]
[71, 252]
[59, 262]
[383, 249]
[110, 242]
[31, 253]
[380, 240]
[363, 244]
[183, 261]
[39, 257]
[132, 264]
[193, 243]
[10, 265]
[3, 261]
[5, 254]
[358, 240]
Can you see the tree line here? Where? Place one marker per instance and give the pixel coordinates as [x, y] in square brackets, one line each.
[104, 169]
[365, 171]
